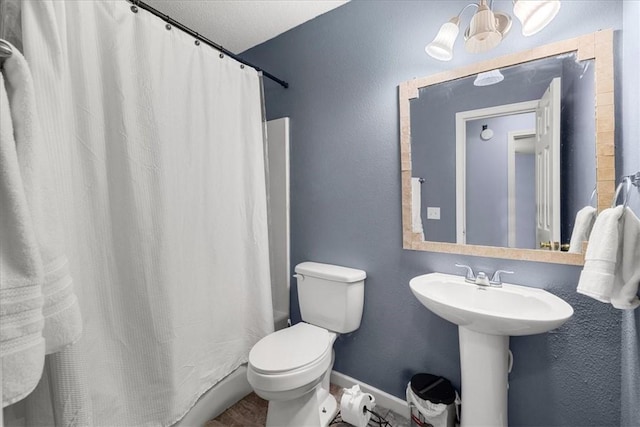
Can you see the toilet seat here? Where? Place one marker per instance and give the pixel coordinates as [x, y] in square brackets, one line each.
[290, 349]
[290, 358]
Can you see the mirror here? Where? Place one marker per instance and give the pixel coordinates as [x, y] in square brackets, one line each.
[471, 150]
[489, 198]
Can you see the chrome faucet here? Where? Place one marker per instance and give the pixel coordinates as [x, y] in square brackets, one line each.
[481, 279]
[469, 277]
[496, 280]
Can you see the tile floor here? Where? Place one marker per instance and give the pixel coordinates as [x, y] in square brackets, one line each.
[252, 412]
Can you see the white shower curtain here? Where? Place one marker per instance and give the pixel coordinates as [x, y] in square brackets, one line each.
[156, 145]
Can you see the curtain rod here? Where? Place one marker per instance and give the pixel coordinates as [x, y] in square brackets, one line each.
[199, 37]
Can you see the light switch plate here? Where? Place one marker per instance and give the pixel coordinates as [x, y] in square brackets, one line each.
[433, 213]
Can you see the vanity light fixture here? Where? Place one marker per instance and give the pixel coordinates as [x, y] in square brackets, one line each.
[535, 15]
[488, 78]
[488, 28]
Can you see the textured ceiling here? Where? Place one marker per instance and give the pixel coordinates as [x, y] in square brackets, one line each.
[238, 25]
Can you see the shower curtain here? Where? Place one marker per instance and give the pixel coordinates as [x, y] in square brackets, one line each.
[156, 146]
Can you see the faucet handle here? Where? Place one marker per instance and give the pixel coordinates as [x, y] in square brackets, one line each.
[482, 279]
[469, 277]
[496, 279]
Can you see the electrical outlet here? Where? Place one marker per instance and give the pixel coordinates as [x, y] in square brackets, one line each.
[433, 213]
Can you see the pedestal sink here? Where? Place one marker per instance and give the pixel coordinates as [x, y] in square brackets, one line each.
[486, 316]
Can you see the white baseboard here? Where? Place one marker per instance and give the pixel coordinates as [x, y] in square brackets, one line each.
[383, 398]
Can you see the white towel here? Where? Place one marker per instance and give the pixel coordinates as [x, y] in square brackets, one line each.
[35, 282]
[416, 206]
[582, 228]
[597, 279]
[21, 321]
[625, 293]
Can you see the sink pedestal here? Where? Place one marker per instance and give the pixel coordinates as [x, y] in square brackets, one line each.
[486, 318]
[484, 362]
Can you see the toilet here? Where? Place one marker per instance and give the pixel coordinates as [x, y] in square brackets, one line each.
[291, 367]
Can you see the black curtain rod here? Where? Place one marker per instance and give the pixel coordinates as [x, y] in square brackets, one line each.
[200, 37]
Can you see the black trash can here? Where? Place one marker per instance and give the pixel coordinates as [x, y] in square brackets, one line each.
[433, 401]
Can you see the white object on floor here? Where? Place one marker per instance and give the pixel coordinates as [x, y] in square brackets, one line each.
[291, 368]
[356, 406]
[383, 399]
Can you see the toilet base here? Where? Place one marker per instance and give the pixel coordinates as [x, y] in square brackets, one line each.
[314, 409]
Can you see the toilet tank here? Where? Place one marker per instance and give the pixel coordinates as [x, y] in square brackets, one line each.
[330, 296]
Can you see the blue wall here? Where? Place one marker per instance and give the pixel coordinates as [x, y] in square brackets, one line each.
[344, 68]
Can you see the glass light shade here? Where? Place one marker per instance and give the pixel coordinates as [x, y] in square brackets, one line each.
[483, 34]
[441, 47]
[535, 14]
[488, 78]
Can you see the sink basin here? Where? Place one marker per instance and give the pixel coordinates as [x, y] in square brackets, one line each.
[509, 310]
[486, 317]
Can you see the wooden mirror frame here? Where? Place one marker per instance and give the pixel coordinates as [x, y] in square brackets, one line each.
[597, 46]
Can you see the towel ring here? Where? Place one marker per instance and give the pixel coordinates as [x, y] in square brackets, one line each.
[625, 180]
[593, 195]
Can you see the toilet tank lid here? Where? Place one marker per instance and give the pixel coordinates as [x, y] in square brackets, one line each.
[330, 272]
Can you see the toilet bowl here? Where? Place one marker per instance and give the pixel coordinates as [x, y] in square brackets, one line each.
[291, 367]
[290, 361]
[287, 368]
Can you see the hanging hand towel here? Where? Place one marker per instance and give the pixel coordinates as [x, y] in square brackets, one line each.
[416, 206]
[21, 321]
[32, 255]
[597, 279]
[625, 292]
[582, 228]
